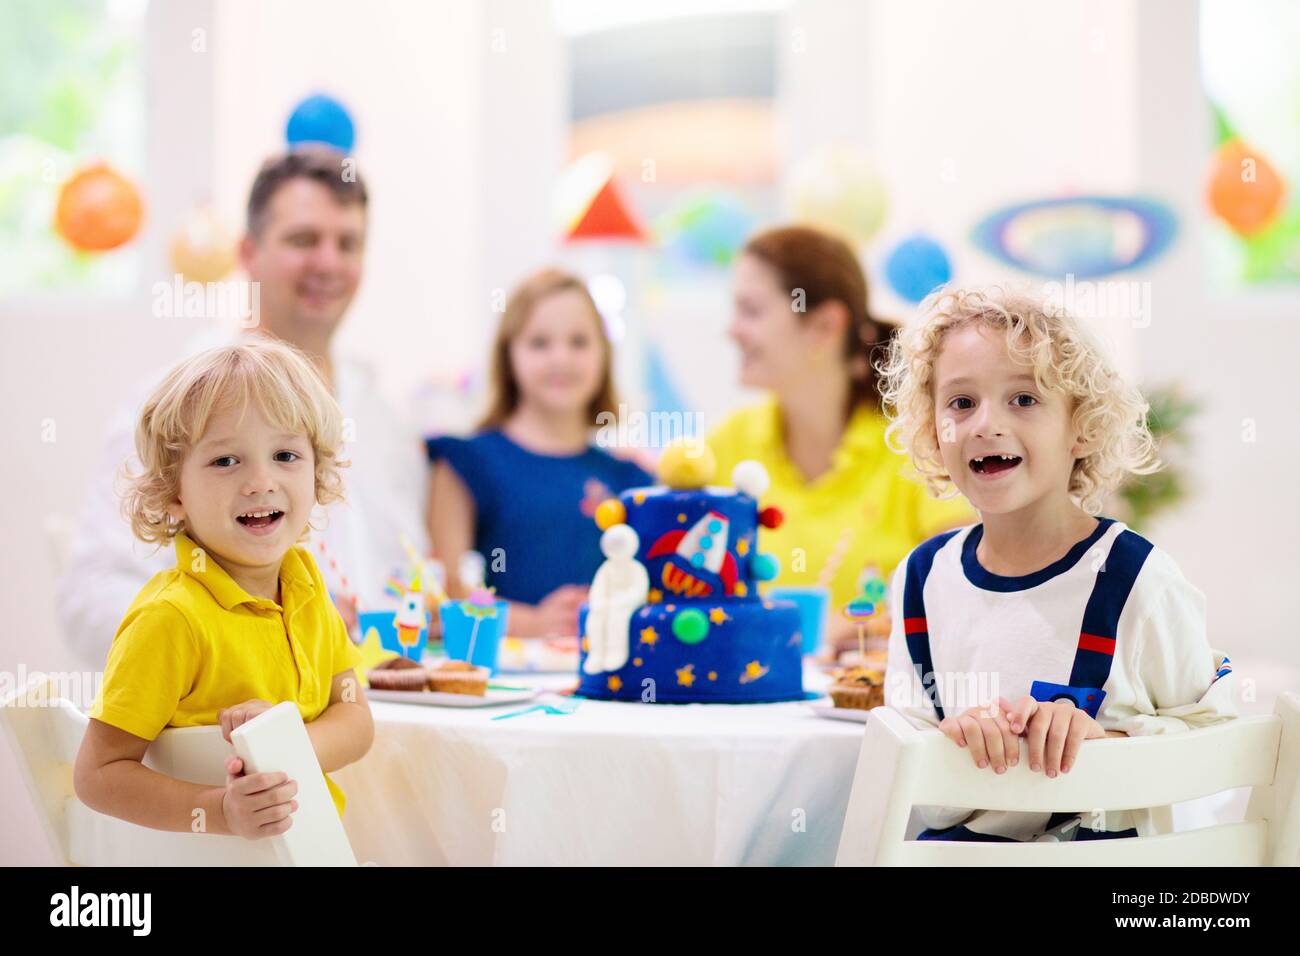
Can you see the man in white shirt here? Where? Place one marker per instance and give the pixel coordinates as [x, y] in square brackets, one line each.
[304, 249]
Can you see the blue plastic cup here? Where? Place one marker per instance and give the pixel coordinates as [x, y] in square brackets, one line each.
[458, 626]
[813, 603]
[382, 621]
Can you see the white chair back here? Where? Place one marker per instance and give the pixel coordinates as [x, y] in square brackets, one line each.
[900, 767]
[46, 732]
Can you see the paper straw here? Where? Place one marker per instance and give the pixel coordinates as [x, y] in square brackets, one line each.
[835, 558]
[418, 562]
[346, 589]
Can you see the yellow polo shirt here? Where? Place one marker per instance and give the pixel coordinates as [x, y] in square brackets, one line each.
[194, 642]
[865, 504]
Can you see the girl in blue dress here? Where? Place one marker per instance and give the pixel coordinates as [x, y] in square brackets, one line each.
[522, 491]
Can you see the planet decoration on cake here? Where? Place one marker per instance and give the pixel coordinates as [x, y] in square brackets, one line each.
[674, 614]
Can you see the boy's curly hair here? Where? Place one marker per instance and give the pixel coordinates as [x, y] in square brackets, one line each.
[1107, 411]
[276, 376]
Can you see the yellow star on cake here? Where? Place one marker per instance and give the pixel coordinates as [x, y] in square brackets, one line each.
[654, 597]
[741, 589]
[713, 675]
[615, 683]
[717, 615]
[742, 547]
[649, 636]
[686, 675]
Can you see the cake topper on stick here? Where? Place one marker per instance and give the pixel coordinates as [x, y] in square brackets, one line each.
[481, 603]
[410, 619]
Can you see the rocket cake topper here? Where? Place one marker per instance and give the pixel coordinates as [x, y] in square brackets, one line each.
[701, 548]
[410, 619]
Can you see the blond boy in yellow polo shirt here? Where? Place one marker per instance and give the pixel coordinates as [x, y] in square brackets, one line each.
[237, 445]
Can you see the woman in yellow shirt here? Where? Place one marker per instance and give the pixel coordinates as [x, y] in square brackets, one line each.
[805, 335]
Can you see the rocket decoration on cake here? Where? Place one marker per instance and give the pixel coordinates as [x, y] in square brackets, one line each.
[701, 548]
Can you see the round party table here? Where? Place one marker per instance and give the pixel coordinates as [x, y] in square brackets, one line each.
[609, 784]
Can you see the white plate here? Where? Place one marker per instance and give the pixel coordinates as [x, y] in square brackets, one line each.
[432, 698]
[831, 712]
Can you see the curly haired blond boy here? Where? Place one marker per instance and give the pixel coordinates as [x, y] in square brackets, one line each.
[1046, 620]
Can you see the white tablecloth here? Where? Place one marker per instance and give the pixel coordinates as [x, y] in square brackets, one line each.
[610, 784]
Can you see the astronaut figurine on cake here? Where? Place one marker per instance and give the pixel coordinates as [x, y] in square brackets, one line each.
[620, 586]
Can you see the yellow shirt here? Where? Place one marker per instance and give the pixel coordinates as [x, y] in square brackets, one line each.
[194, 642]
[864, 507]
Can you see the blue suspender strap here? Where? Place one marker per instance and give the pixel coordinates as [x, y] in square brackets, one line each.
[914, 625]
[1096, 649]
[1101, 617]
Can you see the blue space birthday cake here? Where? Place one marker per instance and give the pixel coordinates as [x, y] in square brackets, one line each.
[674, 613]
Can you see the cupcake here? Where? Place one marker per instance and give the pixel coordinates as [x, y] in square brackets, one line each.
[858, 689]
[400, 673]
[458, 677]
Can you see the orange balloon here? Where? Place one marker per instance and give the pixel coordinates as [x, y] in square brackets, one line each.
[1245, 190]
[98, 209]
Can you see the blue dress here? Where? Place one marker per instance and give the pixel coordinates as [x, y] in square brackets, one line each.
[536, 525]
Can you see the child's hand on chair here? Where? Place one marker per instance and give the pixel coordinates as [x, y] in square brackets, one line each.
[988, 734]
[257, 805]
[240, 714]
[1055, 730]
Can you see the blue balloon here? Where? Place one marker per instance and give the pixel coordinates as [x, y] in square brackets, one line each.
[917, 267]
[321, 119]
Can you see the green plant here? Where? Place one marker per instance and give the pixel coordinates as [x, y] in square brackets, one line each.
[1145, 496]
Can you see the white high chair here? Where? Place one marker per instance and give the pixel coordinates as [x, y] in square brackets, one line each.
[46, 732]
[900, 767]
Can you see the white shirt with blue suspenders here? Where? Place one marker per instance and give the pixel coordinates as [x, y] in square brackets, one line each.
[1113, 625]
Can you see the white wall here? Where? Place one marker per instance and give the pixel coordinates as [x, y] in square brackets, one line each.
[1237, 536]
